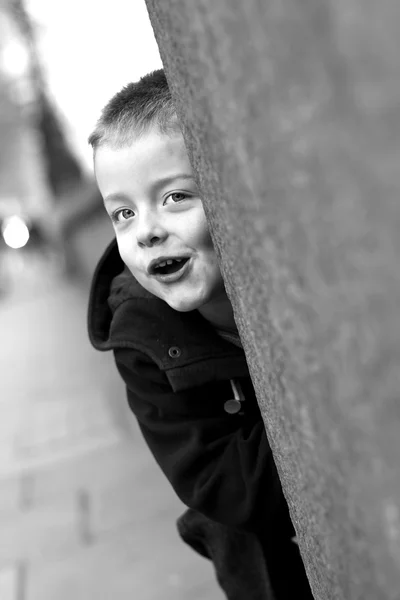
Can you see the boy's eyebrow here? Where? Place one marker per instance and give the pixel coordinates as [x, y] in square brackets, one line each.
[159, 183]
[115, 198]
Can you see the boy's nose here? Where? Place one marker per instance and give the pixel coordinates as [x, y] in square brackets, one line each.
[150, 232]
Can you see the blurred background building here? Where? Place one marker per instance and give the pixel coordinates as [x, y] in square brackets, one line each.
[59, 66]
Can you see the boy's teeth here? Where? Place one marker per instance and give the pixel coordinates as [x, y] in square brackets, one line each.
[169, 261]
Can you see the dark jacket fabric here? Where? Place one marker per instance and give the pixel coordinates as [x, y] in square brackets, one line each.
[177, 372]
[237, 556]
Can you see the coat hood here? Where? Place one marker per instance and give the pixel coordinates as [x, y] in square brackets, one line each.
[112, 284]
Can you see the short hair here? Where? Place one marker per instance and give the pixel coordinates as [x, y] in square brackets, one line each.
[133, 110]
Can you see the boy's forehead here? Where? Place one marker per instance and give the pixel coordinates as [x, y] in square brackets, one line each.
[152, 156]
[152, 144]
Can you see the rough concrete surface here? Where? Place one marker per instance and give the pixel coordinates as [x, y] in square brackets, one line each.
[291, 115]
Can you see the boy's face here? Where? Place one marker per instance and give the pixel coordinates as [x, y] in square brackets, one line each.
[162, 233]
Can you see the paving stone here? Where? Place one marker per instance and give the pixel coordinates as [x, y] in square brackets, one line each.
[9, 582]
[9, 494]
[122, 505]
[94, 470]
[49, 455]
[39, 534]
[140, 566]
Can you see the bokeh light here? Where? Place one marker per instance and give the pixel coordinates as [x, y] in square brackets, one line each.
[15, 232]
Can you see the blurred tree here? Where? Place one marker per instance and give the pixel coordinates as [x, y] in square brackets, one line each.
[10, 119]
[62, 168]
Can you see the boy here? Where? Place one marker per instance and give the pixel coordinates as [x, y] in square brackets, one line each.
[159, 302]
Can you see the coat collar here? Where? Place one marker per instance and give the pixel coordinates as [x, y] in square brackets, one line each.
[122, 314]
[112, 284]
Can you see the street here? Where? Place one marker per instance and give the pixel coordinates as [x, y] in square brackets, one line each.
[84, 510]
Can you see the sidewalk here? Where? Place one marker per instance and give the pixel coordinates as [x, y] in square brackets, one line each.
[84, 511]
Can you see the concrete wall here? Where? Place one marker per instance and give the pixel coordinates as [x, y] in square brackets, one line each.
[292, 122]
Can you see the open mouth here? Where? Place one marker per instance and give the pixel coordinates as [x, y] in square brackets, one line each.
[172, 265]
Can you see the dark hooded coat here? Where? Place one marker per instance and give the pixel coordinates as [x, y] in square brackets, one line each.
[178, 374]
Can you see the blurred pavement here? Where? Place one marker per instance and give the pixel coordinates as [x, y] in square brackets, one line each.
[84, 511]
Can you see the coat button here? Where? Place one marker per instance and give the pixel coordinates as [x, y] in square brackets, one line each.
[232, 406]
[174, 352]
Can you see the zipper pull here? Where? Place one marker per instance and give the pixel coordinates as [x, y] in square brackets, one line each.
[234, 405]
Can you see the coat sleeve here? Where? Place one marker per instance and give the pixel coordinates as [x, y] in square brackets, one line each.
[219, 465]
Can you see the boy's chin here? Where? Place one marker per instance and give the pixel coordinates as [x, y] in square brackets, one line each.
[184, 305]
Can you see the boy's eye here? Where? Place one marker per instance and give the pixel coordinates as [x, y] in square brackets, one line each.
[176, 197]
[122, 215]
